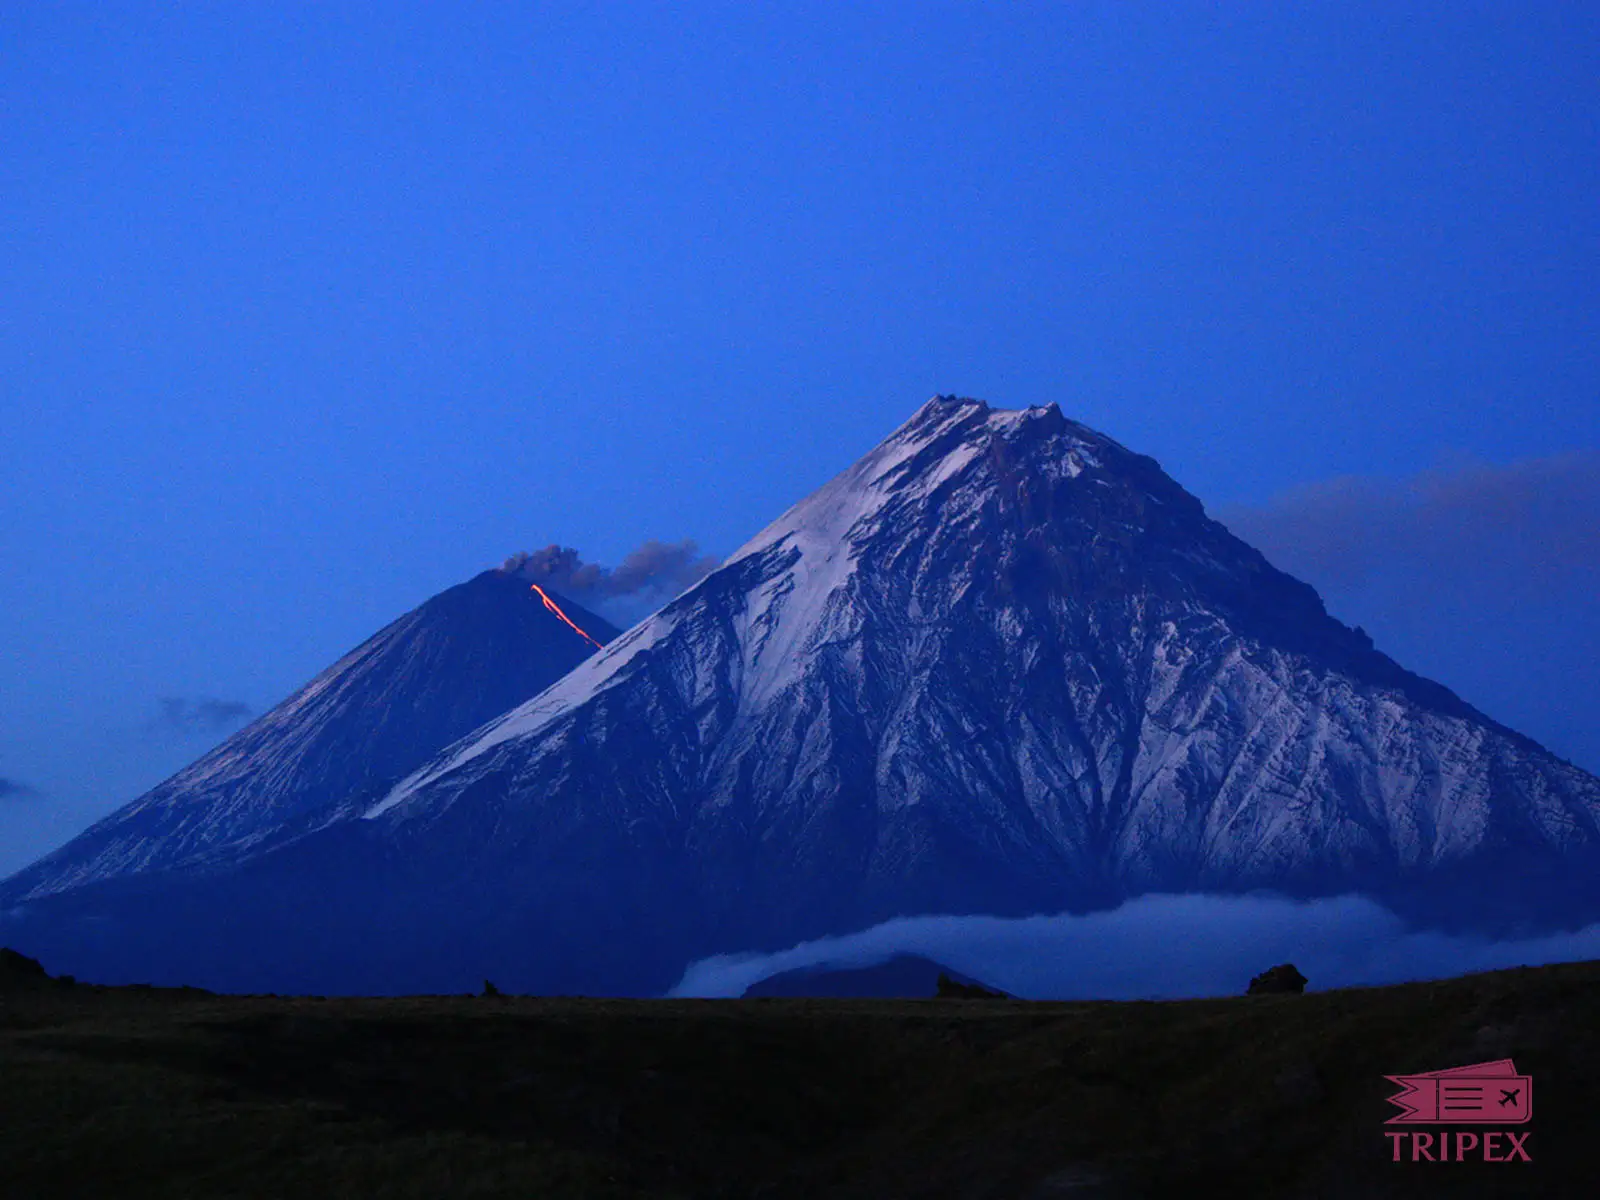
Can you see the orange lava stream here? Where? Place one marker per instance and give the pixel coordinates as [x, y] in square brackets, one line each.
[556, 608]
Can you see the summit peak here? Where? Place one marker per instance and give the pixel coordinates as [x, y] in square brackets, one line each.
[1001, 664]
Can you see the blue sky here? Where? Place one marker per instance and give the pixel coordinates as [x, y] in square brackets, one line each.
[310, 311]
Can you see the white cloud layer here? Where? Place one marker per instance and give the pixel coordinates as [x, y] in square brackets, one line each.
[1159, 947]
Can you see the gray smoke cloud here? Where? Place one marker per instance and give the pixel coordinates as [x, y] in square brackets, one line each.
[192, 718]
[1159, 947]
[15, 789]
[1528, 524]
[650, 574]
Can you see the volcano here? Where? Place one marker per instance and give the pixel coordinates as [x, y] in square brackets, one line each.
[1001, 665]
[429, 677]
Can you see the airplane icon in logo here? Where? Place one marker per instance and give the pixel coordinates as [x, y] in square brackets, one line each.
[1491, 1093]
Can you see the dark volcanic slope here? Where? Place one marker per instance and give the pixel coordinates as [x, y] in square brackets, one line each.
[431, 676]
[1001, 665]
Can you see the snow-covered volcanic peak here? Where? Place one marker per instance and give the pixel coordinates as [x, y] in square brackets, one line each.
[947, 456]
[956, 489]
[1016, 614]
[1000, 665]
[935, 448]
[431, 675]
[801, 562]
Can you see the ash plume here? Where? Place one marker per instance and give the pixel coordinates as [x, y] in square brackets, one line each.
[649, 575]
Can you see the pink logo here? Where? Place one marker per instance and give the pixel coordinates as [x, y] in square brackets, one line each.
[1490, 1093]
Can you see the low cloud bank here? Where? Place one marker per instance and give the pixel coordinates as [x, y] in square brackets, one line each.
[1159, 947]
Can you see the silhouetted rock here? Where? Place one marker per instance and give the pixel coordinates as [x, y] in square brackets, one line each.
[951, 989]
[489, 989]
[1284, 979]
[18, 970]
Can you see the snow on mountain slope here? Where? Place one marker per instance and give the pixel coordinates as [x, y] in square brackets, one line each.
[1000, 665]
[825, 531]
[430, 676]
[1002, 660]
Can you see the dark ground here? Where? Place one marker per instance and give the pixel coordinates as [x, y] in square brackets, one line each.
[125, 1092]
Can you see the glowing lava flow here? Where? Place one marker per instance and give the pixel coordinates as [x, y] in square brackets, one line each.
[556, 608]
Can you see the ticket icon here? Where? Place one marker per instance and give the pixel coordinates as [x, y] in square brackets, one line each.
[1490, 1093]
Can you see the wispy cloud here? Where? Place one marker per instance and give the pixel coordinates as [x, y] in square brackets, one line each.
[1159, 947]
[15, 789]
[1534, 523]
[203, 716]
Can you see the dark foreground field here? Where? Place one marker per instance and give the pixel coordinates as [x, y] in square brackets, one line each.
[111, 1093]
